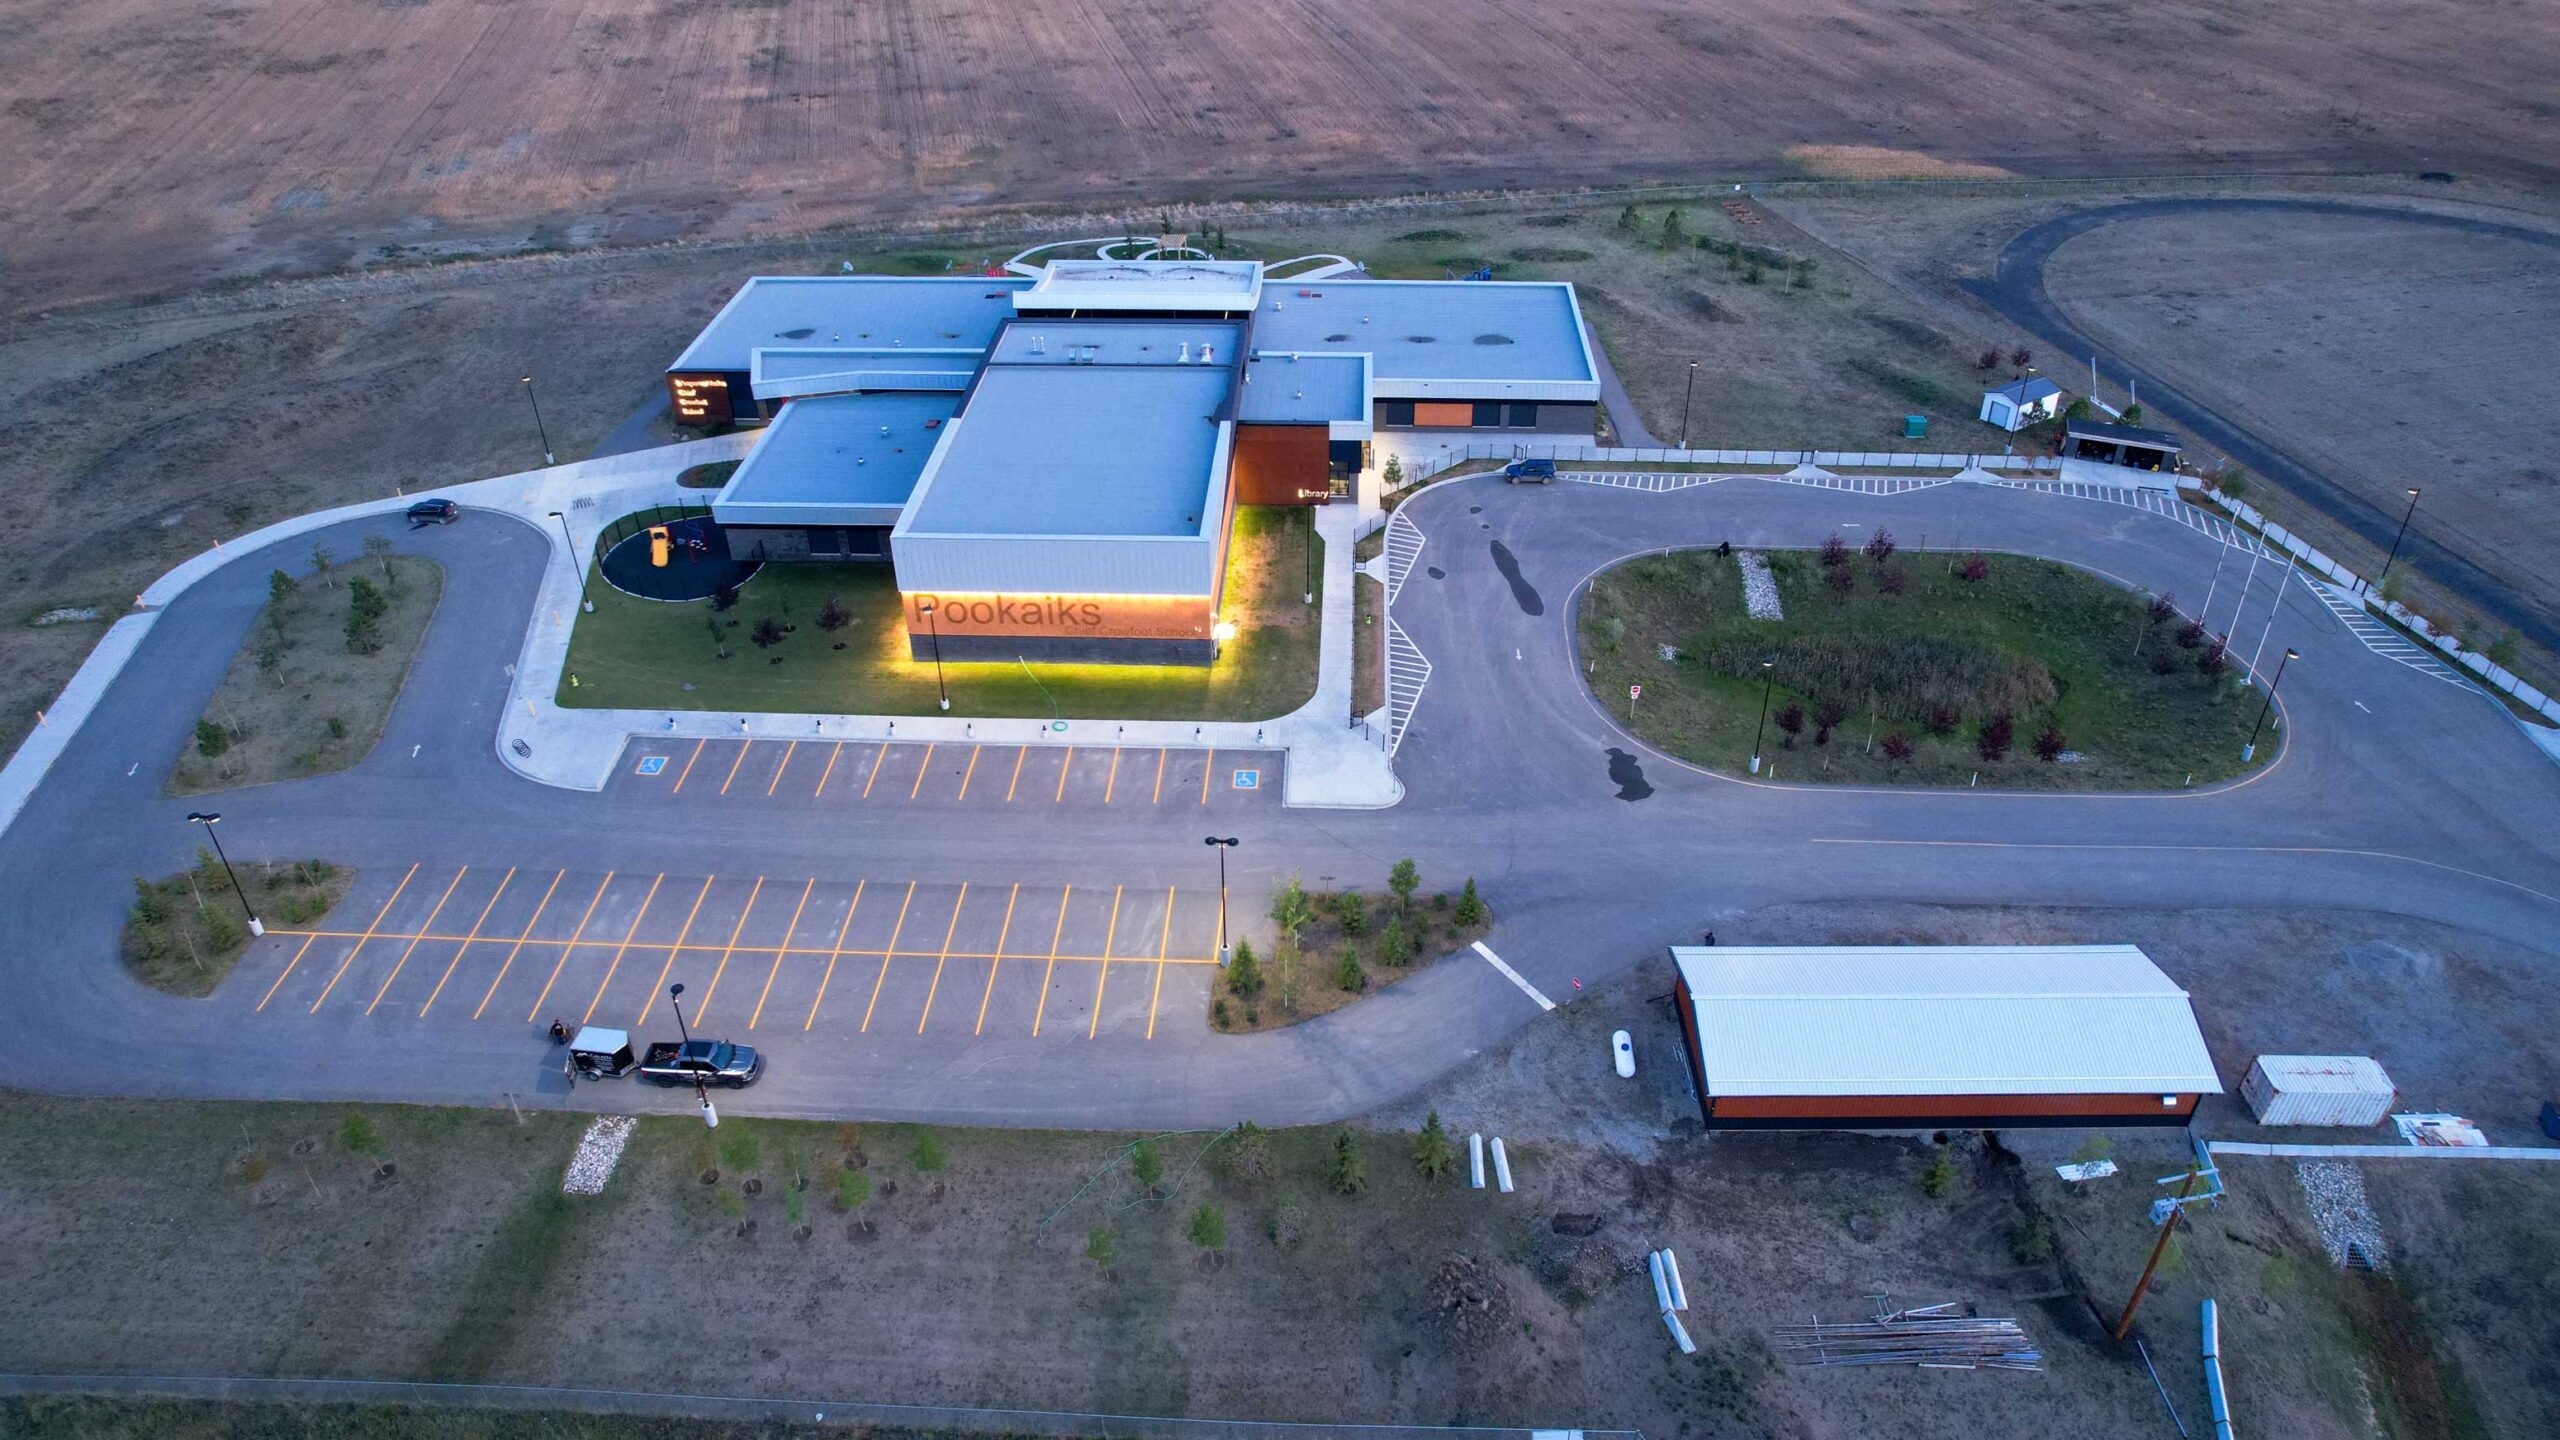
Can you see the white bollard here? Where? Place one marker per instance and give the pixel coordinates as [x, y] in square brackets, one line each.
[1661, 1282]
[1679, 1333]
[1671, 1269]
[1475, 1159]
[1501, 1166]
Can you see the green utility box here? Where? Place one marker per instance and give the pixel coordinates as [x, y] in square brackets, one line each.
[1915, 427]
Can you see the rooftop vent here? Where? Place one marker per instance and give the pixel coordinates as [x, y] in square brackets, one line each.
[803, 333]
[1335, 339]
[1491, 339]
[1421, 339]
[1204, 353]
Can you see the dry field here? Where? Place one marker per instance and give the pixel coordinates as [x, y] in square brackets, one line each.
[155, 145]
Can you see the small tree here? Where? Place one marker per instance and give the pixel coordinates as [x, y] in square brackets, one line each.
[2164, 663]
[211, 739]
[1891, 580]
[1346, 1171]
[377, 548]
[1804, 273]
[833, 616]
[1146, 1163]
[358, 1135]
[321, 558]
[853, 1188]
[1288, 1223]
[1671, 227]
[767, 633]
[1828, 712]
[1290, 909]
[2232, 482]
[2163, 608]
[1393, 473]
[1628, 220]
[1841, 579]
[1790, 718]
[1989, 359]
[1351, 912]
[1938, 1177]
[1401, 881]
[2020, 356]
[2050, 745]
[2190, 635]
[1880, 546]
[928, 1154]
[1992, 741]
[1244, 972]
[1209, 1228]
[366, 605]
[1348, 975]
[1100, 1247]
[1470, 909]
[1433, 1154]
[1975, 569]
[1897, 746]
[1942, 719]
[281, 588]
[1835, 552]
[1247, 1153]
[2212, 660]
[2133, 413]
[1395, 944]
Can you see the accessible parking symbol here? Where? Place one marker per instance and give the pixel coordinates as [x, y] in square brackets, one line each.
[650, 765]
[1248, 779]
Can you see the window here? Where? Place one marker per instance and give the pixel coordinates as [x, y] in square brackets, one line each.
[1522, 417]
[1488, 414]
[1395, 412]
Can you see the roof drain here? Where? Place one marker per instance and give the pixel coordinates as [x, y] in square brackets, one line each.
[1185, 358]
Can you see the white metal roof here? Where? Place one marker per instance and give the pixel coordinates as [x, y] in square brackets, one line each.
[1227, 286]
[2326, 1074]
[1942, 1020]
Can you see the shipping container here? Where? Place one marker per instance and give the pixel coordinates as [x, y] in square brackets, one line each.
[2318, 1090]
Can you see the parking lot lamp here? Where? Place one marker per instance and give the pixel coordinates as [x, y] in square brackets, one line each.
[256, 926]
[2396, 539]
[1222, 846]
[585, 601]
[538, 427]
[701, 1092]
[2249, 751]
[1684, 404]
[1768, 673]
[933, 628]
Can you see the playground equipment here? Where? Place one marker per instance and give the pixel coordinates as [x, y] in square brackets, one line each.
[659, 545]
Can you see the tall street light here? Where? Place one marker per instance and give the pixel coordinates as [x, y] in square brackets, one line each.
[701, 1092]
[586, 602]
[538, 427]
[933, 628]
[256, 926]
[2396, 539]
[1222, 846]
[1768, 668]
[2249, 751]
[1684, 404]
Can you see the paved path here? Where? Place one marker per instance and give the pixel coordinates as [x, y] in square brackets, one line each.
[882, 946]
[1623, 415]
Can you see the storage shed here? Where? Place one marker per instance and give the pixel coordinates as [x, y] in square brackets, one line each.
[1901, 1036]
[2318, 1090]
[2020, 403]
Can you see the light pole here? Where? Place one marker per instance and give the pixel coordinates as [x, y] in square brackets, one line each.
[702, 1092]
[538, 427]
[1768, 668]
[1684, 404]
[2396, 539]
[1222, 846]
[933, 628]
[256, 926]
[585, 601]
[2249, 751]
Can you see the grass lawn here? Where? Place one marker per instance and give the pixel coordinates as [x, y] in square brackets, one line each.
[184, 933]
[1369, 653]
[658, 655]
[2049, 645]
[297, 701]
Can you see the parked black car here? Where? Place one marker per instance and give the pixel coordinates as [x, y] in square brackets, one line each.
[715, 1062]
[1530, 472]
[433, 512]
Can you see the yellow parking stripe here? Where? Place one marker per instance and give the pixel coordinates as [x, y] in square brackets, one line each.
[368, 935]
[670, 963]
[1114, 782]
[1162, 941]
[616, 967]
[1206, 766]
[971, 771]
[918, 788]
[743, 748]
[467, 942]
[998, 961]
[1064, 766]
[288, 970]
[569, 949]
[877, 761]
[888, 955]
[778, 769]
[765, 993]
[704, 1004]
[821, 792]
[1020, 753]
[1161, 757]
[834, 955]
[1043, 1007]
[1103, 976]
[688, 767]
[512, 950]
[412, 947]
[944, 958]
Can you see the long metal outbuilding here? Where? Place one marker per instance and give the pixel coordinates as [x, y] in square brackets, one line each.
[1901, 1036]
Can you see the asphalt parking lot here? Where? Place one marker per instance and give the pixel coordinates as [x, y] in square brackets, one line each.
[757, 954]
[828, 773]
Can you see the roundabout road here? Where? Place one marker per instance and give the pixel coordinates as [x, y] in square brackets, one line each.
[2396, 792]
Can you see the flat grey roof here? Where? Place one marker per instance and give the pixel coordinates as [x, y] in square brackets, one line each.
[1078, 450]
[818, 311]
[1432, 329]
[2122, 434]
[1294, 389]
[1115, 342]
[830, 450]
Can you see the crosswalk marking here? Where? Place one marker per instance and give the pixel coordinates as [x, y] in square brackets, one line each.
[2381, 639]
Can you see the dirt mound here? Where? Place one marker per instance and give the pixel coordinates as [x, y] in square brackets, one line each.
[1469, 1305]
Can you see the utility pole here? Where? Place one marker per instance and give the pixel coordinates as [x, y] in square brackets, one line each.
[2168, 1227]
[1692, 389]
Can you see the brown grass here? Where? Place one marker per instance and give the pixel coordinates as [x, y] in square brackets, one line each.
[1876, 162]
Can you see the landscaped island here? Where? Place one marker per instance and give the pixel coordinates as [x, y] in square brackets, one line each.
[1893, 668]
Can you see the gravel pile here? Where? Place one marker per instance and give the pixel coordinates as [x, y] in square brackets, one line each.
[599, 1150]
[2349, 1230]
[1759, 587]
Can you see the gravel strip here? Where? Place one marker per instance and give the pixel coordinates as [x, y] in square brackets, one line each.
[599, 1150]
[2343, 1213]
[1759, 587]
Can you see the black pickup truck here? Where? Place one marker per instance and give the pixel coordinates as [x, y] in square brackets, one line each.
[715, 1062]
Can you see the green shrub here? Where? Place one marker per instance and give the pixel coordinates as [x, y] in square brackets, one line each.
[1347, 1171]
[1146, 1163]
[1347, 972]
[1433, 1153]
[1288, 1222]
[853, 1188]
[211, 739]
[739, 1150]
[357, 1134]
[928, 1154]
[1244, 972]
[1351, 912]
[1209, 1228]
[1938, 1177]
[1100, 1246]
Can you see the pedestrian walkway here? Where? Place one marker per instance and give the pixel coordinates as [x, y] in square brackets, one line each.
[2381, 639]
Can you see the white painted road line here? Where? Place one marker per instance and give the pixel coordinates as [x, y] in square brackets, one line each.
[1514, 977]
